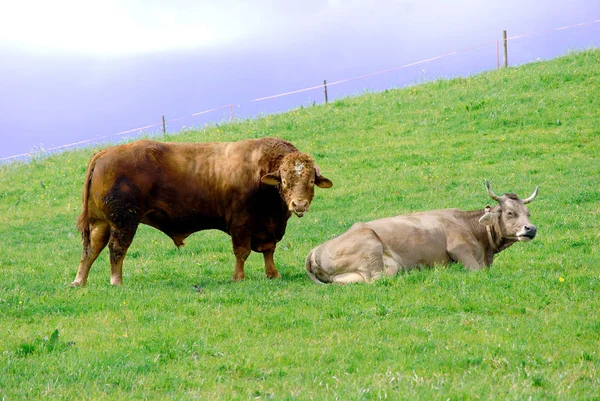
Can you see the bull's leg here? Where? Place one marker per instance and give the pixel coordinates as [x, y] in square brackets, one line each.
[270, 269]
[99, 234]
[119, 242]
[241, 250]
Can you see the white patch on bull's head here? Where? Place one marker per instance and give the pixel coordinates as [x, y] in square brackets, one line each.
[298, 167]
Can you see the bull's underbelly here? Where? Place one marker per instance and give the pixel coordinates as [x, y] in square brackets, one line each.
[260, 236]
[188, 223]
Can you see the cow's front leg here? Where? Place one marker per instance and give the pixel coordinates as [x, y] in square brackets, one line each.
[270, 269]
[468, 255]
[241, 250]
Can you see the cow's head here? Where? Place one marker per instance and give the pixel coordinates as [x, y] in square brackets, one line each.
[511, 216]
[296, 178]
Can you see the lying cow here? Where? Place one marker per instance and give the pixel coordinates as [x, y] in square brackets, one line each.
[248, 189]
[369, 250]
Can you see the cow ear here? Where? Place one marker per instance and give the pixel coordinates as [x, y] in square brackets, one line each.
[489, 217]
[271, 179]
[323, 182]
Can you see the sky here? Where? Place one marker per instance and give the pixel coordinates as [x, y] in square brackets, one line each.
[71, 71]
[124, 27]
[118, 27]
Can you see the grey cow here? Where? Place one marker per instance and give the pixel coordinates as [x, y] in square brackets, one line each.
[367, 251]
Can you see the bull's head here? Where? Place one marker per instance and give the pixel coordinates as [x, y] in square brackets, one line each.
[511, 216]
[296, 178]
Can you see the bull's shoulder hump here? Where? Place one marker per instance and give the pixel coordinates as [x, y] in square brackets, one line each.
[273, 141]
[275, 146]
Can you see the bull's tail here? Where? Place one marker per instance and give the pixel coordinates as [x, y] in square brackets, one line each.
[83, 221]
[309, 263]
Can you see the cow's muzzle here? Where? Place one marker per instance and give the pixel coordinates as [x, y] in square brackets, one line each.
[299, 207]
[527, 233]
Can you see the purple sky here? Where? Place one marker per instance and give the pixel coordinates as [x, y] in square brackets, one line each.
[74, 71]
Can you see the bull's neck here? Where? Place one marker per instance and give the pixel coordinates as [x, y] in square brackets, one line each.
[492, 236]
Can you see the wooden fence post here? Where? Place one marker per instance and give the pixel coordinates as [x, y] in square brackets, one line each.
[231, 111]
[325, 90]
[505, 49]
[164, 125]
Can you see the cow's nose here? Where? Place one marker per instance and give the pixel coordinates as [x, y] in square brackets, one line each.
[530, 231]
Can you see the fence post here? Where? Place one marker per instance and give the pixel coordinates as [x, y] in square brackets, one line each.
[325, 90]
[164, 125]
[231, 111]
[505, 49]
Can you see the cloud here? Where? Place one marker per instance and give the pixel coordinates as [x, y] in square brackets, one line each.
[117, 27]
[113, 27]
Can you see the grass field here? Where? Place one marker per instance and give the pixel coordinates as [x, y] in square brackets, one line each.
[526, 328]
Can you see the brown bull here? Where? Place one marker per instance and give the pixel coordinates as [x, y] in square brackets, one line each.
[367, 251]
[247, 189]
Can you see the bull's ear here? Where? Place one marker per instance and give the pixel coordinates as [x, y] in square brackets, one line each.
[323, 182]
[271, 179]
[320, 181]
[489, 217]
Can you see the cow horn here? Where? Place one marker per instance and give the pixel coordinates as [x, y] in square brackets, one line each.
[491, 193]
[532, 197]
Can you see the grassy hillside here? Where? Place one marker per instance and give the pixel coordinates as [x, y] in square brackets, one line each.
[528, 327]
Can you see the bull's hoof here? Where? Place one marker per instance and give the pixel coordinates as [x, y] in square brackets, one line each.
[272, 276]
[238, 277]
[77, 284]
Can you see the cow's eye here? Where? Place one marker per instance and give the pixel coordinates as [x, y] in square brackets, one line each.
[284, 183]
[510, 214]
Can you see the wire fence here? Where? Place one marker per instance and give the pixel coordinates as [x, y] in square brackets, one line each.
[323, 87]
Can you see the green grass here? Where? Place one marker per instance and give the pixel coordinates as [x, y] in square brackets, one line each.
[527, 328]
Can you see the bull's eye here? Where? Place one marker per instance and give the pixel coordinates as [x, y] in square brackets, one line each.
[284, 183]
[510, 214]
